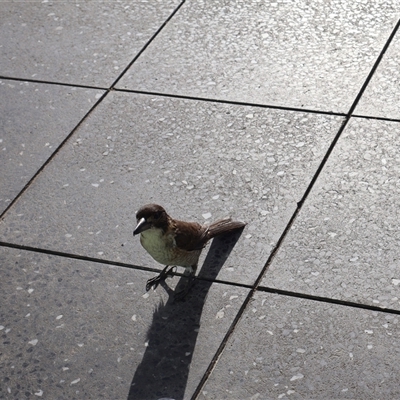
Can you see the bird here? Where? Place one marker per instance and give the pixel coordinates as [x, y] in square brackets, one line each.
[174, 243]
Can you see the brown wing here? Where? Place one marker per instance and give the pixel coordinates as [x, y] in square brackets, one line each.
[190, 236]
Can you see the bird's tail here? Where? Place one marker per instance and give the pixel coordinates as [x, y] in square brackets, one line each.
[223, 226]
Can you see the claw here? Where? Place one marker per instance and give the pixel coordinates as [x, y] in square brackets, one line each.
[154, 282]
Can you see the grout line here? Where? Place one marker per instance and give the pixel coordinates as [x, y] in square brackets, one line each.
[327, 300]
[376, 118]
[75, 256]
[281, 292]
[56, 151]
[75, 85]
[232, 102]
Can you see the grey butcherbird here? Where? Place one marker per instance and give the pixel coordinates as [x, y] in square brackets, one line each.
[176, 243]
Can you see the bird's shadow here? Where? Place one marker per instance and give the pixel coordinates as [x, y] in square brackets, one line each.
[164, 369]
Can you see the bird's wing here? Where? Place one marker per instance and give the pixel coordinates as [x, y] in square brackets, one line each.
[190, 236]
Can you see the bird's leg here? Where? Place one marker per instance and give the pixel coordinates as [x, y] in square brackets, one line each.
[190, 272]
[160, 277]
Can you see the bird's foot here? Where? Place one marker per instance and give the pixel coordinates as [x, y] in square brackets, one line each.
[154, 282]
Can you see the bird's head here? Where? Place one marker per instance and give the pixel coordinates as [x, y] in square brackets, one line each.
[150, 216]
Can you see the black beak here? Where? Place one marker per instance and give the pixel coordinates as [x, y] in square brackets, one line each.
[142, 225]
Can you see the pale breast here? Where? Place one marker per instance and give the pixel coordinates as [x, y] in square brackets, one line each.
[163, 249]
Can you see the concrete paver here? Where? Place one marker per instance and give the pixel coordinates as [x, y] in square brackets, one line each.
[344, 243]
[301, 349]
[86, 43]
[291, 54]
[74, 329]
[169, 151]
[35, 119]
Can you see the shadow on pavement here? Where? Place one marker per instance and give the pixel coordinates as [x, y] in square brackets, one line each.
[164, 369]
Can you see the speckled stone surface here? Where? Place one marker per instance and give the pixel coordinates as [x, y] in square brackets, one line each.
[78, 330]
[345, 241]
[173, 152]
[294, 54]
[34, 120]
[85, 42]
[382, 96]
[299, 349]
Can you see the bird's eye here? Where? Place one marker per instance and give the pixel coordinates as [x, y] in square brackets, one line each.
[157, 215]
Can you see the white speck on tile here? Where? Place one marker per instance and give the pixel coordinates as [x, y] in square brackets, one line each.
[301, 351]
[233, 297]
[82, 169]
[59, 316]
[30, 290]
[95, 185]
[146, 344]
[2, 327]
[230, 269]
[345, 390]
[119, 359]
[133, 317]
[68, 235]
[98, 95]
[289, 392]
[282, 395]
[220, 314]
[100, 253]
[27, 315]
[270, 332]
[80, 344]
[215, 197]
[33, 342]
[248, 236]
[296, 377]
[75, 381]
[254, 310]
[261, 317]
[369, 347]
[19, 288]
[369, 332]
[39, 393]
[395, 281]
[146, 295]
[65, 368]
[206, 215]
[9, 390]
[249, 116]
[188, 353]
[60, 326]
[280, 173]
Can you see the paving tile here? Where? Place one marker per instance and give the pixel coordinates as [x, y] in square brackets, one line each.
[34, 120]
[295, 54]
[72, 329]
[87, 42]
[344, 243]
[201, 161]
[382, 96]
[300, 349]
